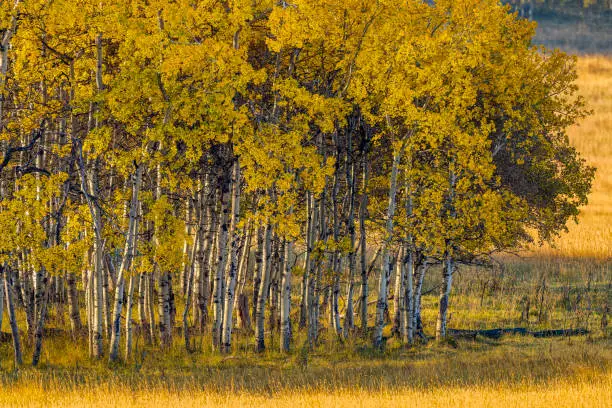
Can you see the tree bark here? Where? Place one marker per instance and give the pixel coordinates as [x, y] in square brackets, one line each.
[40, 325]
[363, 210]
[73, 306]
[444, 296]
[285, 312]
[398, 293]
[244, 321]
[219, 283]
[448, 260]
[381, 304]
[263, 290]
[307, 260]
[416, 308]
[142, 314]
[128, 318]
[10, 308]
[232, 272]
[126, 263]
[349, 317]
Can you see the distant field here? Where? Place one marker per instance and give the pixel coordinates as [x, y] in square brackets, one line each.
[592, 237]
[577, 31]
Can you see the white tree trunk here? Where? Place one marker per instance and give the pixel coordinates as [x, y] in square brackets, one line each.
[244, 321]
[263, 290]
[381, 304]
[444, 297]
[224, 185]
[232, 274]
[418, 289]
[128, 318]
[285, 312]
[407, 329]
[307, 260]
[363, 210]
[126, 262]
[73, 306]
[448, 260]
[398, 293]
[10, 308]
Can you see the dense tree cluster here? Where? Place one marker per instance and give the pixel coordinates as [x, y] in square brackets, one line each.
[206, 164]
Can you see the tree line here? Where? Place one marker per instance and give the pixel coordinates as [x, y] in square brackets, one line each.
[269, 165]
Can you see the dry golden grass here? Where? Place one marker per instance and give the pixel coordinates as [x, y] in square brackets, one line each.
[515, 371]
[592, 237]
[582, 393]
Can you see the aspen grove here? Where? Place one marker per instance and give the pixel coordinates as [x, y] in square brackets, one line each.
[175, 169]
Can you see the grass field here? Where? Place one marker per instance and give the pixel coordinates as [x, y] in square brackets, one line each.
[565, 286]
[592, 237]
[480, 373]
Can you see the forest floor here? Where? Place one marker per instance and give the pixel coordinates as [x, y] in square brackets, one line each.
[562, 287]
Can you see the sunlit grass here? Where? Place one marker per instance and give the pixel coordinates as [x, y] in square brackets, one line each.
[592, 237]
[515, 370]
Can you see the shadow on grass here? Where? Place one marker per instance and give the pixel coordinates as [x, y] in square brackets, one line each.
[512, 361]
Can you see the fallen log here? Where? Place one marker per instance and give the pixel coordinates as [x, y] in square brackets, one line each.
[560, 332]
[498, 333]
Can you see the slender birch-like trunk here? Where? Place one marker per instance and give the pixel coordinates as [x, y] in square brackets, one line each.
[106, 312]
[448, 263]
[10, 308]
[258, 270]
[276, 266]
[73, 306]
[88, 188]
[142, 314]
[349, 317]
[407, 327]
[416, 308]
[163, 303]
[263, 290]
[232, 272]
[186, 265]
[128, 318]
[126, 263]
[165, 328]
[244, 321]
[28, 296]
[307, 261]
[381, 304]
[444, 295]
[363, 211]
[336, 258]
[206, 258]
[150, 304]
[398, 293]
[189, 284]
[98, 323]
[218, 295]
[40, 324]
[285, 312]
[312, 295]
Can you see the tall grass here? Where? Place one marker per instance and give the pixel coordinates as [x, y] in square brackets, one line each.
[515, 370]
